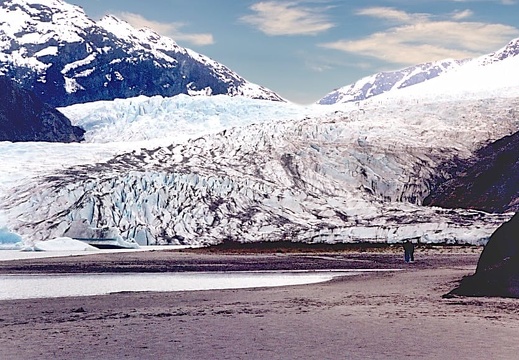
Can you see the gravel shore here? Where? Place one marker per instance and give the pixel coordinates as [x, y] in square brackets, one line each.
[391, 315]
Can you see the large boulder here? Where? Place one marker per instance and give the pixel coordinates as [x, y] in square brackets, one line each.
[497, 273]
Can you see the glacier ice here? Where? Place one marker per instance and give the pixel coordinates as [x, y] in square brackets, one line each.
[340, 174]
[63, 244]
[10, 240]
[177, 118]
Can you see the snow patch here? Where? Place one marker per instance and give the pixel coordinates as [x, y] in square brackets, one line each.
[71, 85]
[48, 51]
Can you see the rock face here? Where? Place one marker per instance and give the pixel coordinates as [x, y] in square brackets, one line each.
[55, 50]
[24, 117]
[487, 182]
[497, 273]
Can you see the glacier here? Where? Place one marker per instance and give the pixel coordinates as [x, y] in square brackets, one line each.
[206, 169]
[166, 119]
[315, 174]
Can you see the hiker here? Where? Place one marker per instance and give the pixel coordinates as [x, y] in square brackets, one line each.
[408, 251]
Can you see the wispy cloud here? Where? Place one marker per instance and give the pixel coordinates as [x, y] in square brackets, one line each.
[392, 14]
[460, 15]
[276, 18]
[417, 38]
[172, 30]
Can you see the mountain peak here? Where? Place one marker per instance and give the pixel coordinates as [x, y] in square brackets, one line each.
[508, 51]
[54, 49]
[426, 77]
[143, 37]
[42, 9]
[386, 81]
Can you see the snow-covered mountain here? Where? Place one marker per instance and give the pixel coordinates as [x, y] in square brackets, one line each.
[386, 81]
[415, 79]
[343, 176]
[54, 49]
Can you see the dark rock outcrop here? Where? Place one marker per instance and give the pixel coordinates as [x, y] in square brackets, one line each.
[24, 117]
[497, 273]
[487, 182]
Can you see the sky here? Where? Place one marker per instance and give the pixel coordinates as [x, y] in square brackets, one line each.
[304, 49]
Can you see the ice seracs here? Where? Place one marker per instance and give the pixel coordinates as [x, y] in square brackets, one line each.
[175, 118]
[342, 176]
[10, 240]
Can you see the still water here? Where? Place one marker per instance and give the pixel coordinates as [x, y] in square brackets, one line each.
[43, 286]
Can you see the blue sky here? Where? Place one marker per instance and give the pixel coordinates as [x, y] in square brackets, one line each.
[304, 49]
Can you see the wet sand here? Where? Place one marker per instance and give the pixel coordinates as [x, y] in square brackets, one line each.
[392, 315]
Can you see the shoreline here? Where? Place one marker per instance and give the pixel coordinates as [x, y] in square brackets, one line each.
[245, 257]
[390, 315]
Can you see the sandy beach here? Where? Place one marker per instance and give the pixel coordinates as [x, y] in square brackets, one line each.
[389, 315]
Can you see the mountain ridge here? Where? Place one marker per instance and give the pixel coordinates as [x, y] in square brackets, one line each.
[54, 49]
[392, 82]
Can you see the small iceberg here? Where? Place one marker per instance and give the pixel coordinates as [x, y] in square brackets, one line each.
[63, 244]
[116, 242]
[10, 240]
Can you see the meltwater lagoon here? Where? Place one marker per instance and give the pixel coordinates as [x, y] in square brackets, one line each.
[13, 287]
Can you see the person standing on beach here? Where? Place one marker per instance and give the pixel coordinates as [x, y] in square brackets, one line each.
[408, 251]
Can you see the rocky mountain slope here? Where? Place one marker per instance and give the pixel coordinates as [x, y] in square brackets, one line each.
[24, 117]
[488, 181]
[409, 78]
[54, 49]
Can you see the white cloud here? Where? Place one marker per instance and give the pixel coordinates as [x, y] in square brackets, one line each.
[276, 18]
[172, 30]
[418, 38]
[460, 15]
[391, 14]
